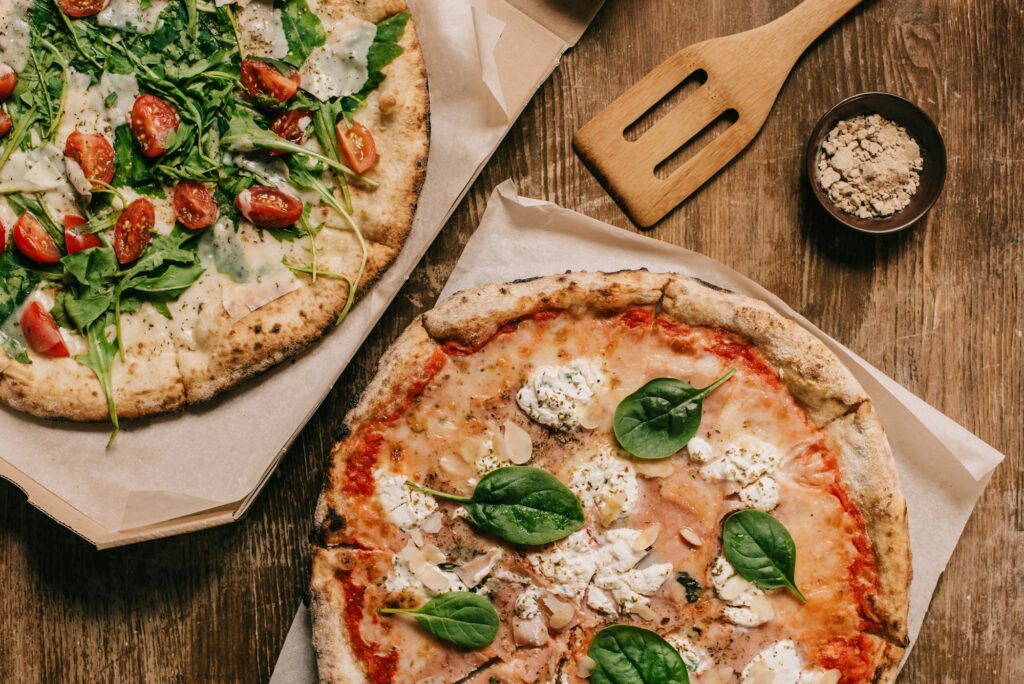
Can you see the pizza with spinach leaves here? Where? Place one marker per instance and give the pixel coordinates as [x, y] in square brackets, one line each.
[628, 478]
[194, 190]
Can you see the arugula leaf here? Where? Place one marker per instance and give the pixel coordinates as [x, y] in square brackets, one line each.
[385, 48]
[131, 168]
[761, 550]
[303, 30]
[100, 360]
[92, 266]
[16, 282]
[520, 504]
[459, 617]
[625, 654]
[661, 417]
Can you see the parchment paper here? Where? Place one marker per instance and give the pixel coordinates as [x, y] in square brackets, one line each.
[221, 453]
[943, 468]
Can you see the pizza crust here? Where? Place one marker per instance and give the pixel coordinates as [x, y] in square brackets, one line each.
[159, 378]
[833, 399]
[335, 659]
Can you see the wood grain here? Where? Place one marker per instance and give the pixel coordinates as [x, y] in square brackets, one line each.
[938, 307]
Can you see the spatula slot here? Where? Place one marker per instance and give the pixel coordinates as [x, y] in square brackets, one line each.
[694, 145]
[667, 103]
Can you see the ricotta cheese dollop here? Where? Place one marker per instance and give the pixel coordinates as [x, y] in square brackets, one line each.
[403, 505]
[606, 570]
[695, 657]
[746, 605]
[781, 664]
[748, 461]
[553, 395]
[608, 483]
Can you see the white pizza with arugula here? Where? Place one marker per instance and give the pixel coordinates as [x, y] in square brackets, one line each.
[194, 190]
[628, 478]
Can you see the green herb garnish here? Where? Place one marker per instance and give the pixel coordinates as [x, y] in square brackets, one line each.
[761, 550]
[460, 617]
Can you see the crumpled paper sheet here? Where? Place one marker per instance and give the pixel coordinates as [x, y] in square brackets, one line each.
[943, 468]
[218, 453]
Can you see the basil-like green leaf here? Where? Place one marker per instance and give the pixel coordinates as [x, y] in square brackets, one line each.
[761, 550]
[460, 617]
[661, 417]
[690, 585]
[625, 654]
[520, 504]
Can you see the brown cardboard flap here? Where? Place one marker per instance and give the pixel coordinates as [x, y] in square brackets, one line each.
[567, 19]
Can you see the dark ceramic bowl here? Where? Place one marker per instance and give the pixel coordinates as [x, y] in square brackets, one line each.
[918, 125]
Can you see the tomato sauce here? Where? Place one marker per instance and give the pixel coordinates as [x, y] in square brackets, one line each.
[360, 464]
[727, 347]
[380, 667]
[637, 317]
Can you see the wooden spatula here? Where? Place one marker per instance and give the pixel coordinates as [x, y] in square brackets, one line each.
[744, 73]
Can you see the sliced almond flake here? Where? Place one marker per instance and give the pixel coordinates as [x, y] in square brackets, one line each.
[659, 468]
[691, 536]
[473, 572]
[516, 443]
[472, 448]
[561, 612]
[416, 536]
[432, 578]
[457, 467]
[647, 537]
[831, 677]
[642, 610]
[433, 522]
[733, 588]
[762, 607]
[590, 415]
[719, 675]
[434, 555]
[586, 666]
[610, 507]
[410, 554]
[760, 673]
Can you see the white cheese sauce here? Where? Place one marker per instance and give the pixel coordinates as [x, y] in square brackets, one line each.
[14, 33]
[128, 14]
[261, 29]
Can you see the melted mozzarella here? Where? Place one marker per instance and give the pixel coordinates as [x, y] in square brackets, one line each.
[261, 29]
[553, 395]
[86, 109]
[338, 67]
[14, 33]
[128, 14]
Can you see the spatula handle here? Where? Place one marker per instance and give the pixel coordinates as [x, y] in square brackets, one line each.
[804, 23]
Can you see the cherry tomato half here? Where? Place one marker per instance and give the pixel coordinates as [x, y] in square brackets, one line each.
[3, 238]
[269, 207]
[41, 331]
[133, 230]
[152, 121]
[82, 8]
[75, 241]
[94, 154]
[292, 127]
[194, 205]
[357, 146]
[8, 80]
[5, 123]
[266, 84]
[33, 241]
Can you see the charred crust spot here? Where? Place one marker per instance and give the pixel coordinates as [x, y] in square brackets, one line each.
[276, 329]
[257, 328]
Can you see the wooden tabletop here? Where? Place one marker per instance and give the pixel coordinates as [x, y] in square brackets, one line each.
[938, 307]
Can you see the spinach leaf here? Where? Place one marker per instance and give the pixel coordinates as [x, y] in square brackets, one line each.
[691, 586]
[91, 266]
[661, 417]
[303, 30]
[130, 167]
[460, 617]
[625, 654]
[761, 550]
[520, 504]
[16, 282]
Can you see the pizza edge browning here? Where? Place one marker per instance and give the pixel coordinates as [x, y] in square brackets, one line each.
[277, 331]
[833, 399]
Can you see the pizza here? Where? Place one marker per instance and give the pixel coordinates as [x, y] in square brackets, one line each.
[628, 477]
[191, 192]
